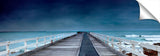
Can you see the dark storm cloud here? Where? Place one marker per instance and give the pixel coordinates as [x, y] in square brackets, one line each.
[46, 15]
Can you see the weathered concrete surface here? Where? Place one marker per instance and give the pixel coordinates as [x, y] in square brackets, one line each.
[87, 48]
[101, 49]
[90, 46]
[104, 49]
[67, 47]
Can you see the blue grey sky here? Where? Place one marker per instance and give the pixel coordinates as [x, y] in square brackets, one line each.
[73, 15]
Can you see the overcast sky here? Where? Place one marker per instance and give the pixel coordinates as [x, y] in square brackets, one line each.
[72, 15]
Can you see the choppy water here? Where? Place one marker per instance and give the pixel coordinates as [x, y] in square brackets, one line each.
[10, 36]
[122, 34]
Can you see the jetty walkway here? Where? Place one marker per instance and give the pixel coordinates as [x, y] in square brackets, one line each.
[82, 44]
[79, 45]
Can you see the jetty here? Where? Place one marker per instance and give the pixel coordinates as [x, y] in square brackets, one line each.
[80, 44]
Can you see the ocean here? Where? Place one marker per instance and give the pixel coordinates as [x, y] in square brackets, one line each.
[10, 36]
[139, 36]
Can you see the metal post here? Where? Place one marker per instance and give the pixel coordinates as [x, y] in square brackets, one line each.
[108, 40]
[120, 43]
[158, 53]
[103, 38]
[141, 50]
[25, 45]
[133, 47]
[44, 40]
[7, 48]
[51, 41]
[112, 43]
[37, 42]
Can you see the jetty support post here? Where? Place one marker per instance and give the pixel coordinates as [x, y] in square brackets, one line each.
[44, 40]
[120, 43]
[7, 48]
[37, 42]
[133, 47]
[51, 39]
[141, 50]
[158, 53]
[25, 45]
[112, 43]
[108, 40]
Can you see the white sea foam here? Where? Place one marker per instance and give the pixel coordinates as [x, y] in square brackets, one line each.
[150, 35]
[154, 38]
[132, 35]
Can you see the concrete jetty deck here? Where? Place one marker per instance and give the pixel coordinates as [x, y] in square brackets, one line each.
[87, 48]
[102, 49]
[67, 47]
[82, 44]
